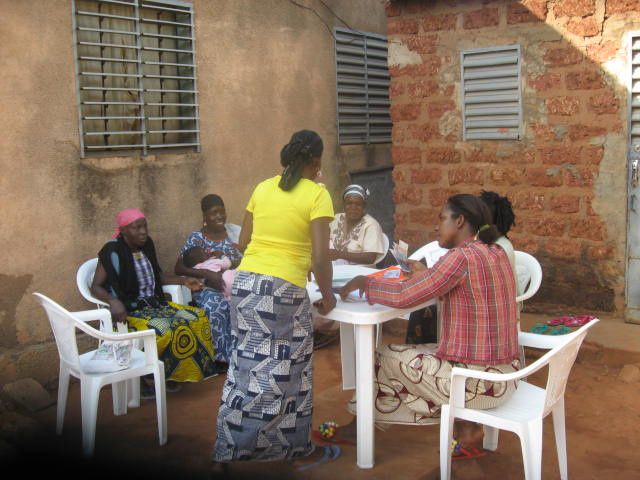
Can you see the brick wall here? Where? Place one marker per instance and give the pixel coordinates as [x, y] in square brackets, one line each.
[566, 177]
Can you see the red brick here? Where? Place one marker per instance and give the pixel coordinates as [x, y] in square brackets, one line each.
[439, 108]
[562, 105]
[523, 157]
[403, 25]
[575, 8]
[507, 175]
[557, 155]
[544, 82]
[400, 133]
[466, 175]
[399, 176]
[396, 88]
[481, 155]
[413, 237]
[438, 196]
[600, 252]
[401, 112]
[585, 132]
[585, 80]
[527, 11]
[426, 175]
[565, 203]
[524, 243]
[405, 155]
[487, 17]
[445, 21]
[423, 132]
[523, 200]
[590, 228]
[546, 226]
[585, 27]
[566, 249]
[560, 57]
[442, 155]
[543, 177]
[424, 216]
[591, 155]
[410, 194]
[622, 6]
[422, 88]
[414, 6]
[421, 43]
[543, 132]
[604, 103]
[602, 52]
[392, 9]
[580, 176]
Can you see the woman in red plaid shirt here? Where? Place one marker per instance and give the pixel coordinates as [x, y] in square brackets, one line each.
[477, 289]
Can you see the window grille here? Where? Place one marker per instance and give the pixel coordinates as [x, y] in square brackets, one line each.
[363, 87]
[135, 75]
[634, 92]
[491, 93]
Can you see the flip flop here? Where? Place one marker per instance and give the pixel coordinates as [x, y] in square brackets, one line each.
[467, 453]
[317, 437]
[331, 452]
[579, 320]
[559, 321]
[560, 330]
[540, 328]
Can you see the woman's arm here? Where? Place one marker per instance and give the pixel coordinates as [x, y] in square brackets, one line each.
[246, 232]
[116, 307]
[321, 264]
[211, 279]
[191, 283]
[363, 258]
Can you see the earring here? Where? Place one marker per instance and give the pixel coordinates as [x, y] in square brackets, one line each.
[204, 224]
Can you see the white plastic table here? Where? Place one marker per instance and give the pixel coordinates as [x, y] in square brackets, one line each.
[358, 321]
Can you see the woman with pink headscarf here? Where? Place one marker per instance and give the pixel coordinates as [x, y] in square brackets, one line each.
[130, 280]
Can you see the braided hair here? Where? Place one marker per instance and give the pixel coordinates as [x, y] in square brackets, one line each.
[304, 146]
[501, 211]
[476, 213]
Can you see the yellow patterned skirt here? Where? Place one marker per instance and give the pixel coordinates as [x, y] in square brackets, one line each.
[183, 336]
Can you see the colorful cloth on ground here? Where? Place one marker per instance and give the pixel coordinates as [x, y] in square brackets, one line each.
[478, 301]
[267, 400]
[412, 384]
[183, 337]
[281, 238]
[211, 300]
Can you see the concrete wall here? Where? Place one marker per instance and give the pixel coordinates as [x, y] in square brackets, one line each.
[265, 67]
[567, 176]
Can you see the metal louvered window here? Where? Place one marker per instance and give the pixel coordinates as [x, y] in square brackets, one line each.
[362, 76]
[135, 75]
[491, 93]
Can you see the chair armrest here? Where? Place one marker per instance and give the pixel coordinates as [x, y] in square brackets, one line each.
[535, 340]
[102, 314]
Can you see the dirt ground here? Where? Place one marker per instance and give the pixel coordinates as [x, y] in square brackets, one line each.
[603, 415]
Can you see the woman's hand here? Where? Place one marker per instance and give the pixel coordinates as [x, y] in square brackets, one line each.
[193, 284]
[118, 312]
[325, 305]
[214, 280]
[334, 254]
[416, 266]
[356, 283]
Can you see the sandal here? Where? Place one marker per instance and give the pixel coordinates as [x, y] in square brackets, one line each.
[331, 452]
[465, 453]
[559, 321]
[540, 328]
[560, 330]
[579, 320]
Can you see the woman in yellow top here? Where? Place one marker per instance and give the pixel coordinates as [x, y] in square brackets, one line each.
[266, 406]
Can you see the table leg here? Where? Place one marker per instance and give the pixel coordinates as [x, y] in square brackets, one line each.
[348, 356]
[364, 391]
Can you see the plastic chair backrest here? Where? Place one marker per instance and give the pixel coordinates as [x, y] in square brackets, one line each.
[431, 252]
[560, 365]
[385, 246]
[64, 330]
[529, 275]
[84, 277]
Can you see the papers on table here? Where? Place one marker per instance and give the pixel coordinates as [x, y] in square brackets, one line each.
[400, 252]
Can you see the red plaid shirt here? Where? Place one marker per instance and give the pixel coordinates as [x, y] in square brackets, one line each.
[478, 301]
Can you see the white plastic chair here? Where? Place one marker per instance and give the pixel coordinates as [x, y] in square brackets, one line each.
[385, 246]
[431, 253]
[64, 325]
[529, 275]
[524, 411]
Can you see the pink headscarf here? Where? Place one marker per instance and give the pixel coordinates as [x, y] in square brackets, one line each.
[126, 217]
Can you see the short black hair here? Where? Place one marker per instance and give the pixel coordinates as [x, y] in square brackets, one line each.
[211, 200]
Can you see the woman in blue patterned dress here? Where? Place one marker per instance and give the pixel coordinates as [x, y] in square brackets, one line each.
[215, 238]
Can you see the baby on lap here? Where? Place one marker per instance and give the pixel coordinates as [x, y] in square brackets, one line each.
[196, 257]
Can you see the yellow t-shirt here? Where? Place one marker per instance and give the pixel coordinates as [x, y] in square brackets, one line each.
[280, 244]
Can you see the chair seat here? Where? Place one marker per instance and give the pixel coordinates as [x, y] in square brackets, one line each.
[137, 361]
[524, 405]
